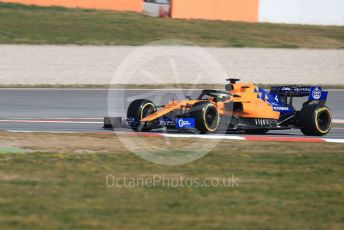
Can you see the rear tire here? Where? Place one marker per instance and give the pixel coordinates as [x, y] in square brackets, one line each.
[315, 120]
[206, 116]
[138, 110]
[256, 131]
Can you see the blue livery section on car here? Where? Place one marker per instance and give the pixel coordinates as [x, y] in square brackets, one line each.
[295, 91]
[283, 109]
[261, 93]
[132, 121]
[276, 96]
[275, 99]
[185, 123]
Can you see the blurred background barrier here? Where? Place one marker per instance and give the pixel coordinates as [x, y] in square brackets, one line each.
[234, 10]
[313, 12]
[157, 8]
[316, 12]
[121, 5]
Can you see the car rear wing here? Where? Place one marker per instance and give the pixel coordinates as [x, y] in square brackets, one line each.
[314, 93]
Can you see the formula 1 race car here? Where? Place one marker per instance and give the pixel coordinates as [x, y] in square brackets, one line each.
[241, 106]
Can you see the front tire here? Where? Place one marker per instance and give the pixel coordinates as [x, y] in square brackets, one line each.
[315, 120]
[206, 116]
[138, 110]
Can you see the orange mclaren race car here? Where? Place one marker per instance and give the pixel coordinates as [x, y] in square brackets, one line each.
[241, 106]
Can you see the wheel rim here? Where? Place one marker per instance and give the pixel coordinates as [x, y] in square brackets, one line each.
[324, 120]
[211, 118]
[147, 110]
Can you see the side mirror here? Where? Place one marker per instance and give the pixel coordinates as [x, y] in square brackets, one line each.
[229, 87]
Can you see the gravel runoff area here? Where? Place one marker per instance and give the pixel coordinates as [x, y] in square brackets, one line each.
[50, 64]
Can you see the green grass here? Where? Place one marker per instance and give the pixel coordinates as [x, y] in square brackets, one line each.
[21, 24]
[282, 186]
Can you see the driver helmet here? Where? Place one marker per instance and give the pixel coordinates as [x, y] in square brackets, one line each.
[223, 96]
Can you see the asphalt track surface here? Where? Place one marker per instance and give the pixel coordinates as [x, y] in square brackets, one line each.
[82, 110]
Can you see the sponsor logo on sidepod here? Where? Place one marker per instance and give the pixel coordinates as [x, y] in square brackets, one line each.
[281, 108]
[185, 123]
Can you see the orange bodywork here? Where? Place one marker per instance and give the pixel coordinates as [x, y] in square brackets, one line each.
[174, 105]
[254, 106]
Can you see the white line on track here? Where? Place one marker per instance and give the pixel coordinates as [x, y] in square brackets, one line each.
[339, 141]
[262, 138]
[338, 121]
[222, 137]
